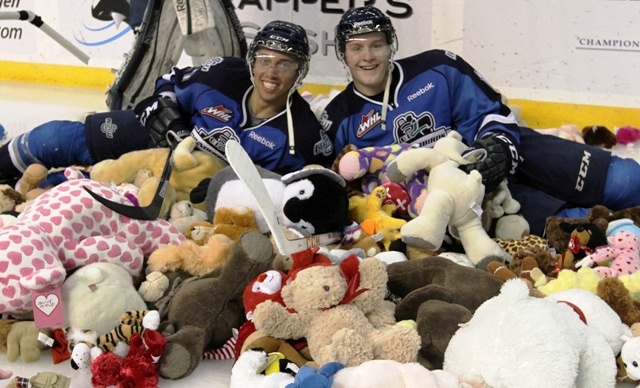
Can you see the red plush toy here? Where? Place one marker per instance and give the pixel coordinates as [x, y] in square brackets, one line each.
[627, 135]
[139, 369]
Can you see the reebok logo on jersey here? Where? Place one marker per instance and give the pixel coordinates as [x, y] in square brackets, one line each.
[218, 112]
[368, 122]
[262, 140]
[420, 91]
[108, 128]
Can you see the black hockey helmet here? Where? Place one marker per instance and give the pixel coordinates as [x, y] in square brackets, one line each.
[362, 20]
[285, 37]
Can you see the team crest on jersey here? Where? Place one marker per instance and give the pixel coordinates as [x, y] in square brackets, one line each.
[324, 120]
[108, 128]
[368, 122]
[412, 129]
[324, 146]
[218, 112]
[211, 62]
[215, 141]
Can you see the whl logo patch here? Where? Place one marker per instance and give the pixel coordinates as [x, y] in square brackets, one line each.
[368, 122]
[218, 112]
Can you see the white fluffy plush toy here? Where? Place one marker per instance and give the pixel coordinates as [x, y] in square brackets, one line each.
[515, 340]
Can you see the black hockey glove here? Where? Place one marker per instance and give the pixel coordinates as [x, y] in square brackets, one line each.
[162, 118]
[500, 159]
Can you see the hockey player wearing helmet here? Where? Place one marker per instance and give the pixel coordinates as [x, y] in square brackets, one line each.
[253, 100]
[419, 99]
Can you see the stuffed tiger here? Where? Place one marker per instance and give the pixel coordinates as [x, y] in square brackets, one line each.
[85, 345]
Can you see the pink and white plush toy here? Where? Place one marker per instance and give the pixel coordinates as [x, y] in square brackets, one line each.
[622, 254]
[66, 228]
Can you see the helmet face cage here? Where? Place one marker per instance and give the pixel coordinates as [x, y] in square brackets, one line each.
[362, 20]
[284, 37]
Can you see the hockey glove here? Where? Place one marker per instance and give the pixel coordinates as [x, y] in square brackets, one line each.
[500, 159]
[162, 118]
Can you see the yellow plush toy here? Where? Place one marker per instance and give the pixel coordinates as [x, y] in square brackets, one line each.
[374, 217]
[190, 167]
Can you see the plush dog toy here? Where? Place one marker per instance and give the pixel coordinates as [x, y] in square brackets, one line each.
[66, 228]
[453, 200]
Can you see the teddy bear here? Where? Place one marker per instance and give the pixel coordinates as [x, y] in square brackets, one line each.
[321, 305]
[203, 312]
[190, 166]
[453, 201]
[438, 294]
[622, 255]
[369, 166]
[9, 198]
[96, 295]
[183, 214]
[66, 228]
[567, 339]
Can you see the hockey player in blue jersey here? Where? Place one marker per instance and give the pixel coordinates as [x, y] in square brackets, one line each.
[419, 99]
[253, 100]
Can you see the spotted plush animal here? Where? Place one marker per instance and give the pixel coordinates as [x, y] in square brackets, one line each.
[66, 228]
[513, 246]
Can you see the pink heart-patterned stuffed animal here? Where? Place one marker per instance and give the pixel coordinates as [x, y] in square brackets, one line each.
[66, 228]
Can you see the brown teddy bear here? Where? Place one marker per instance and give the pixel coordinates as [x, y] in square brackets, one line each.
[439, 295]
[204, 311]
[336, 322]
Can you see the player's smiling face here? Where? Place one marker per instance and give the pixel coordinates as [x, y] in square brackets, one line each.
[274, 75]
[367, 57]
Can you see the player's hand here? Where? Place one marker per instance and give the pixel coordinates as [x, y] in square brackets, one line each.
[163, 119]
[500, 158]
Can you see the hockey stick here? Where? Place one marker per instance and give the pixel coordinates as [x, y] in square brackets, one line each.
[246, 171]
[151, 211]
[37, 21]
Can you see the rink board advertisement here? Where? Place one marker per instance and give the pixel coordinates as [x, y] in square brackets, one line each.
[588, 46]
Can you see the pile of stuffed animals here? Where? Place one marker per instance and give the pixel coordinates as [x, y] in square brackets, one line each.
[433, 276]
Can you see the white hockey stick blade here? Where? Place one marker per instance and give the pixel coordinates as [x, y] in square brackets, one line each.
[246, 171]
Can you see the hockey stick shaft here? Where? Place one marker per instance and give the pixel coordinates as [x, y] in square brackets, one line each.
[37, 21]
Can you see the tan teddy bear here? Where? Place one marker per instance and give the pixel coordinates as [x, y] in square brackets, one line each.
[331, 312]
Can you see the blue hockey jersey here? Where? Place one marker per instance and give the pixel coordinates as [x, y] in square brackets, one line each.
[215, 97]
[432, 93]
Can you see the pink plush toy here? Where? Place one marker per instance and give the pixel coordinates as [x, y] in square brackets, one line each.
[627, 135]
[623, 252]
[370, 165]
[66, 228]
